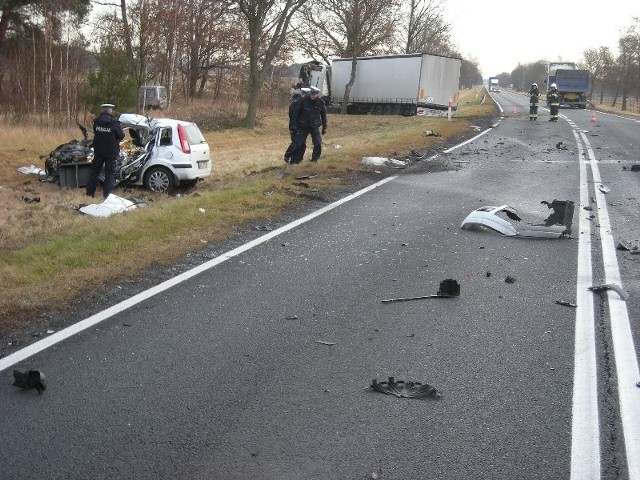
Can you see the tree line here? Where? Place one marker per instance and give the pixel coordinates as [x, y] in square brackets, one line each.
[614, 78]
[59, 58]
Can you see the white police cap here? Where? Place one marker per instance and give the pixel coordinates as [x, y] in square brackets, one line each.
[107, 105]
[315, 90]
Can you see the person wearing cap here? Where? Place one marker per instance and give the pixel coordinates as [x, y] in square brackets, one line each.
[295, 98]
[553, 99]
[106, 147]
[307, 117]
[534, 96]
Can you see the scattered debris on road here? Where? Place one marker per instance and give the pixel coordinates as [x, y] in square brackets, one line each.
[325, 343]
[561, 146]
[555, 226]
[622, 246]
[610, 286]
[28, 380]
[566, 304]
[509, 279]
[449, 288]
[402, 389]
[603, 188]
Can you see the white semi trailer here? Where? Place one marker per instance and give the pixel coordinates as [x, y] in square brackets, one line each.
[397, 84]
[391, 84]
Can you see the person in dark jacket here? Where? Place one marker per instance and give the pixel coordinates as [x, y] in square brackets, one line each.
[306, 118]
[553, 96]
[106, 147]
[534, 96]
[291, 152]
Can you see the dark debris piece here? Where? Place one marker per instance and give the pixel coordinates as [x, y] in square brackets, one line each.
[449, 288]
[509, 279]
[402, 389]
[566, 304]
[610, 286]
[28, 380]
[562, 213]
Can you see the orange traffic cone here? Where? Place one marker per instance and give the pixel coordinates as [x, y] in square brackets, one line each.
[593, 116]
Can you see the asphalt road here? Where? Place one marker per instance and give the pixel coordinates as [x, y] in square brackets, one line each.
[258, 367]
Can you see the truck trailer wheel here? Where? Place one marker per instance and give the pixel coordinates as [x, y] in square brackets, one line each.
[159, 179]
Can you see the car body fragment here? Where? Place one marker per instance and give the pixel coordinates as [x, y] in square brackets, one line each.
[487, 217]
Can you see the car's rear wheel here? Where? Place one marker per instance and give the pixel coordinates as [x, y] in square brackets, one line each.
[159, 179]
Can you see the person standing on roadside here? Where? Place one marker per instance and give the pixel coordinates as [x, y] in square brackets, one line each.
[106, 147]
[307, 117]
[292, 155]
[534, 96]
[554, 102]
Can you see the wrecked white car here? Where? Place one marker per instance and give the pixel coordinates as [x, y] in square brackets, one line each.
[160, 154]
[175, 153]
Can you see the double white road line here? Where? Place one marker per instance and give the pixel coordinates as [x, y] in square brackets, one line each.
[585, 445]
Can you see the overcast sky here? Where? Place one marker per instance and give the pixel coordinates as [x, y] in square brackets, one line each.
[500, 36]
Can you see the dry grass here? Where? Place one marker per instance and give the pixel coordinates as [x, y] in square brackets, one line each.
[50, 253]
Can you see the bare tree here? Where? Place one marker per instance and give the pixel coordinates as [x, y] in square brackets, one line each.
[426, 29]
[349, 29]
[598, 62]
[268, 23]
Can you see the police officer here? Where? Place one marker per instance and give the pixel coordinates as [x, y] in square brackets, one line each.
[106, 147]
[292, 155]
[307, 117]
[534, 95]
[553, 98]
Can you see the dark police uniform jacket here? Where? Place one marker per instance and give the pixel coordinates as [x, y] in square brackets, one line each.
[107, 136]
[308, 114]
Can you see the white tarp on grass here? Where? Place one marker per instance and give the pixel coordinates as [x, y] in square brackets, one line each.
[112, 204]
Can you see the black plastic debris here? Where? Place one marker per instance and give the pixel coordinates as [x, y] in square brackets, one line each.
[622, 246]
[509, 279]
[566, 304]
[449, 288]
[562, 214]
[561, 146]
[402, 389]
[635, 168]
[28, 380]
[610, 286]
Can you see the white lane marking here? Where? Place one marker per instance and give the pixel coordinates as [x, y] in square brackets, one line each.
[623, 347]
[585, 428]
[88, 322]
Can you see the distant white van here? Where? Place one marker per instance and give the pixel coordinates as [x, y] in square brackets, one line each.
[153, 97]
